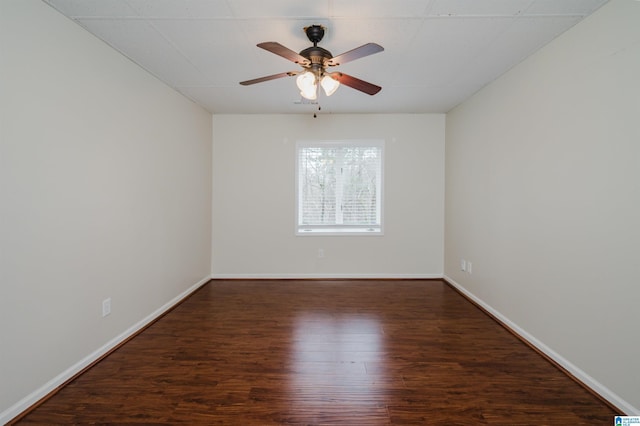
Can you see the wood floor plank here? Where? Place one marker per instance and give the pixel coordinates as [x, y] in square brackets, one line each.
[324, 352]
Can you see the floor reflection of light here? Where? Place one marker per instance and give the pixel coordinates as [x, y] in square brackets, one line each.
[337, 362]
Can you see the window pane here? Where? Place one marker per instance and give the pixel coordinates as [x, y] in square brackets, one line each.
[359, 177]
[317, 168]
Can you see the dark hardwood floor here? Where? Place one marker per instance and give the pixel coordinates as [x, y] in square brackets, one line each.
[324, 352]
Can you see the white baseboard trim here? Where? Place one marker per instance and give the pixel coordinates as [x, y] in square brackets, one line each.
[323, 276]
[579, 374]
[26, 402]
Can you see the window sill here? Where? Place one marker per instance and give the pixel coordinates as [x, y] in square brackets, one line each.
[374, 231]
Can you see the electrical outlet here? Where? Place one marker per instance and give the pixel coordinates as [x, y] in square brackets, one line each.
[106, 307]
[463, 265]
[469, 267]
[320, 253]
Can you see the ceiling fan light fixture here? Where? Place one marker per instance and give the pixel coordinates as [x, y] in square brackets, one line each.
[308, 85]
[329, 84]
[311, 95]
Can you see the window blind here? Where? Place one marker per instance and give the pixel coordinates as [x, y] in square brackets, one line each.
[339, 185]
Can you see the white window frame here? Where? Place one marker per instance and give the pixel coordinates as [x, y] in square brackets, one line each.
[339, 230]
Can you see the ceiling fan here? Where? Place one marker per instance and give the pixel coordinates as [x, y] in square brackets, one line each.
[314, 61]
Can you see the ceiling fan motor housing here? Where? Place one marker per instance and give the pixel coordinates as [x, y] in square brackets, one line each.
[316, 55]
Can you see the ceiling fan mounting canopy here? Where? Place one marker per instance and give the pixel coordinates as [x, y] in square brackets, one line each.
[314, 60]
[315, 33]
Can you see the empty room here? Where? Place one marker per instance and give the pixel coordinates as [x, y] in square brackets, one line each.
[332, 212]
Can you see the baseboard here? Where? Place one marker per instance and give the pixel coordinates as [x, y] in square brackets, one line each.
[30, 400]
[324, 276]
[578, 374]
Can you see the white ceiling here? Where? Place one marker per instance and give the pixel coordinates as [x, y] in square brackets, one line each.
[437, 52]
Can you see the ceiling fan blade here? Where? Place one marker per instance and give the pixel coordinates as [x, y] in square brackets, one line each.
[357, 53]
[285, 52]
[356, 83]
[268, 77]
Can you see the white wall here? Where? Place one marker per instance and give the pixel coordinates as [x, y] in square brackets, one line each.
[105, 191]
[543, 196]
[254, 198]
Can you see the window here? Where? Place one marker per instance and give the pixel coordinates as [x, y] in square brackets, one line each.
[339, 187]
